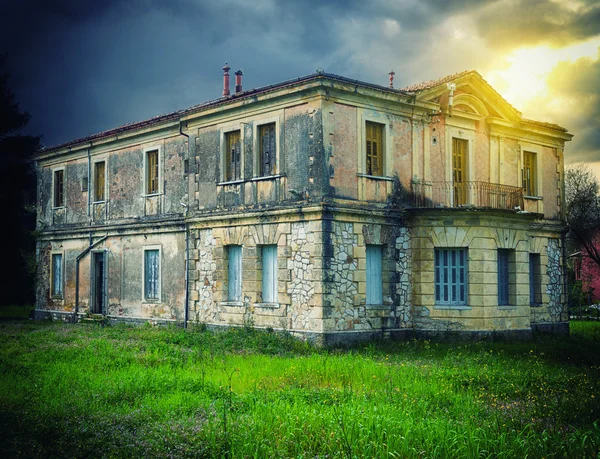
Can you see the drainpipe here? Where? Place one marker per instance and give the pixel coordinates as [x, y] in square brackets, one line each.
[77, 260]
[187, 244]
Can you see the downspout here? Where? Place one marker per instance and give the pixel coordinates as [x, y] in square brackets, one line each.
[187, 244]
[77, 260]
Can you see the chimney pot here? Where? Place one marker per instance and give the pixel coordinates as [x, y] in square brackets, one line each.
[226, 80]
[391, 74]
[238, 81]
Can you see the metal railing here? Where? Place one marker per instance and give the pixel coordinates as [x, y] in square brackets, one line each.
[466, 194]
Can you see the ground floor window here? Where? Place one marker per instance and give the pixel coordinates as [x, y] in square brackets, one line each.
[234, 273]
[152, 274]
[57, 275]
[506, 277]
[450, 276]
[374, 286]
[269, 273]
[535, 279]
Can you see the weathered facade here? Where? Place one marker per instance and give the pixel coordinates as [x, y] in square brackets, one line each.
[324, 206]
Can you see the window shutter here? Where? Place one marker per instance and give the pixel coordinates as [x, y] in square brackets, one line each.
[502, 277]
[374, 275]
[269, 275]
[234, 273]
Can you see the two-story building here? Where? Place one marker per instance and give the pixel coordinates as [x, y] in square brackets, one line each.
[324, 206]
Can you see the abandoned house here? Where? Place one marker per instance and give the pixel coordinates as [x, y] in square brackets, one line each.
[332, 208]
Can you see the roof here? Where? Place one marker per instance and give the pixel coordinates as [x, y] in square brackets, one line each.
[222, 101]
[433, 83]
[319, 75]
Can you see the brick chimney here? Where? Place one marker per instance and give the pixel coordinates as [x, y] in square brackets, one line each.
[226, 80]
[238, 81]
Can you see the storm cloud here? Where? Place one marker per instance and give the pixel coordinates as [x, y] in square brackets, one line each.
[83, 67]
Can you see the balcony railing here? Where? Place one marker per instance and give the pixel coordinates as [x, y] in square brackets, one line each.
[466, 194]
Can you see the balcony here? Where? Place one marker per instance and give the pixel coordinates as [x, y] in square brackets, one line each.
[466, 195]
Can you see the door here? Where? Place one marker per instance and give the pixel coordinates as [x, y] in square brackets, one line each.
[98, 282]
[459, 169]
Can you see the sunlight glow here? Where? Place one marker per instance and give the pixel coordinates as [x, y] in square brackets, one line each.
[525, 76]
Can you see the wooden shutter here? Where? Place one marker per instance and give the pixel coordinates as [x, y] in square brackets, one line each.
[59, 197]
[374, 274]
[269, 273]
[374, 147]
[459, 162]
[234, 273]
[233, 156]
[99, 181]
[268, 149]
[151, 273]
[450, 270]
[152, 172]
[503, 277]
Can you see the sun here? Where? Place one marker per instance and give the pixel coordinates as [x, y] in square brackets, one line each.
[524, 76]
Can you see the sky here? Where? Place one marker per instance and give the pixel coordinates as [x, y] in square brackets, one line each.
[81, 67]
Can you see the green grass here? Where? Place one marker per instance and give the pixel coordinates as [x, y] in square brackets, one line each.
[87, 391]
[15, 312]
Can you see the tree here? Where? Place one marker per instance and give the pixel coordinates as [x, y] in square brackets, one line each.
[583, 209]
[17, 198]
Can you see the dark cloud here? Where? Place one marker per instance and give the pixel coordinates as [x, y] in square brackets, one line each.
[578, 85]
[516, 23]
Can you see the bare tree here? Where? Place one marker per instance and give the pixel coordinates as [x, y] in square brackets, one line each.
[583, 209]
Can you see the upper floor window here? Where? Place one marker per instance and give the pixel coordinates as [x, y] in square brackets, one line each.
[460, 148]
[268, 149]
[59, 188]
[374, 276]
[233, 156]
[100, 181]
[374, 135]
[152, 172]
[450, 276]
[529, 173]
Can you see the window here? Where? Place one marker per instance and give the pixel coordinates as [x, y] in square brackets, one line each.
[99, 181]
[152, 274]
[506, 277]
[529, 173]
[269, 274]
[459, 170]
[374, 274]
[59, 188]
[535, 279]
[577, 268]
[152, 172]
[450, 276]
[268, 149]
[234, 273]
[57, 274]
[374, 148]
[233, 156]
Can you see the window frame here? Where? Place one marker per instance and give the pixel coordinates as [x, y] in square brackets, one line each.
[439, 278]
[257, 146]
[535, 279]
[95, 181]
[53, 293]
[159, 185]
[63, 172]
[145, 298]
[374, 269]
[269, 289]
[387, 160]
[223, 131]
[237, 295]
[530, 184]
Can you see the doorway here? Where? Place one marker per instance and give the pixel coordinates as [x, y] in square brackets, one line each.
[98, 282]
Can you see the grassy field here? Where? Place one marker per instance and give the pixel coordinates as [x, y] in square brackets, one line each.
[87, 391]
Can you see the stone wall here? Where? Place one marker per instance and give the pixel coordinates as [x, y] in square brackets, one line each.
[554, 289]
